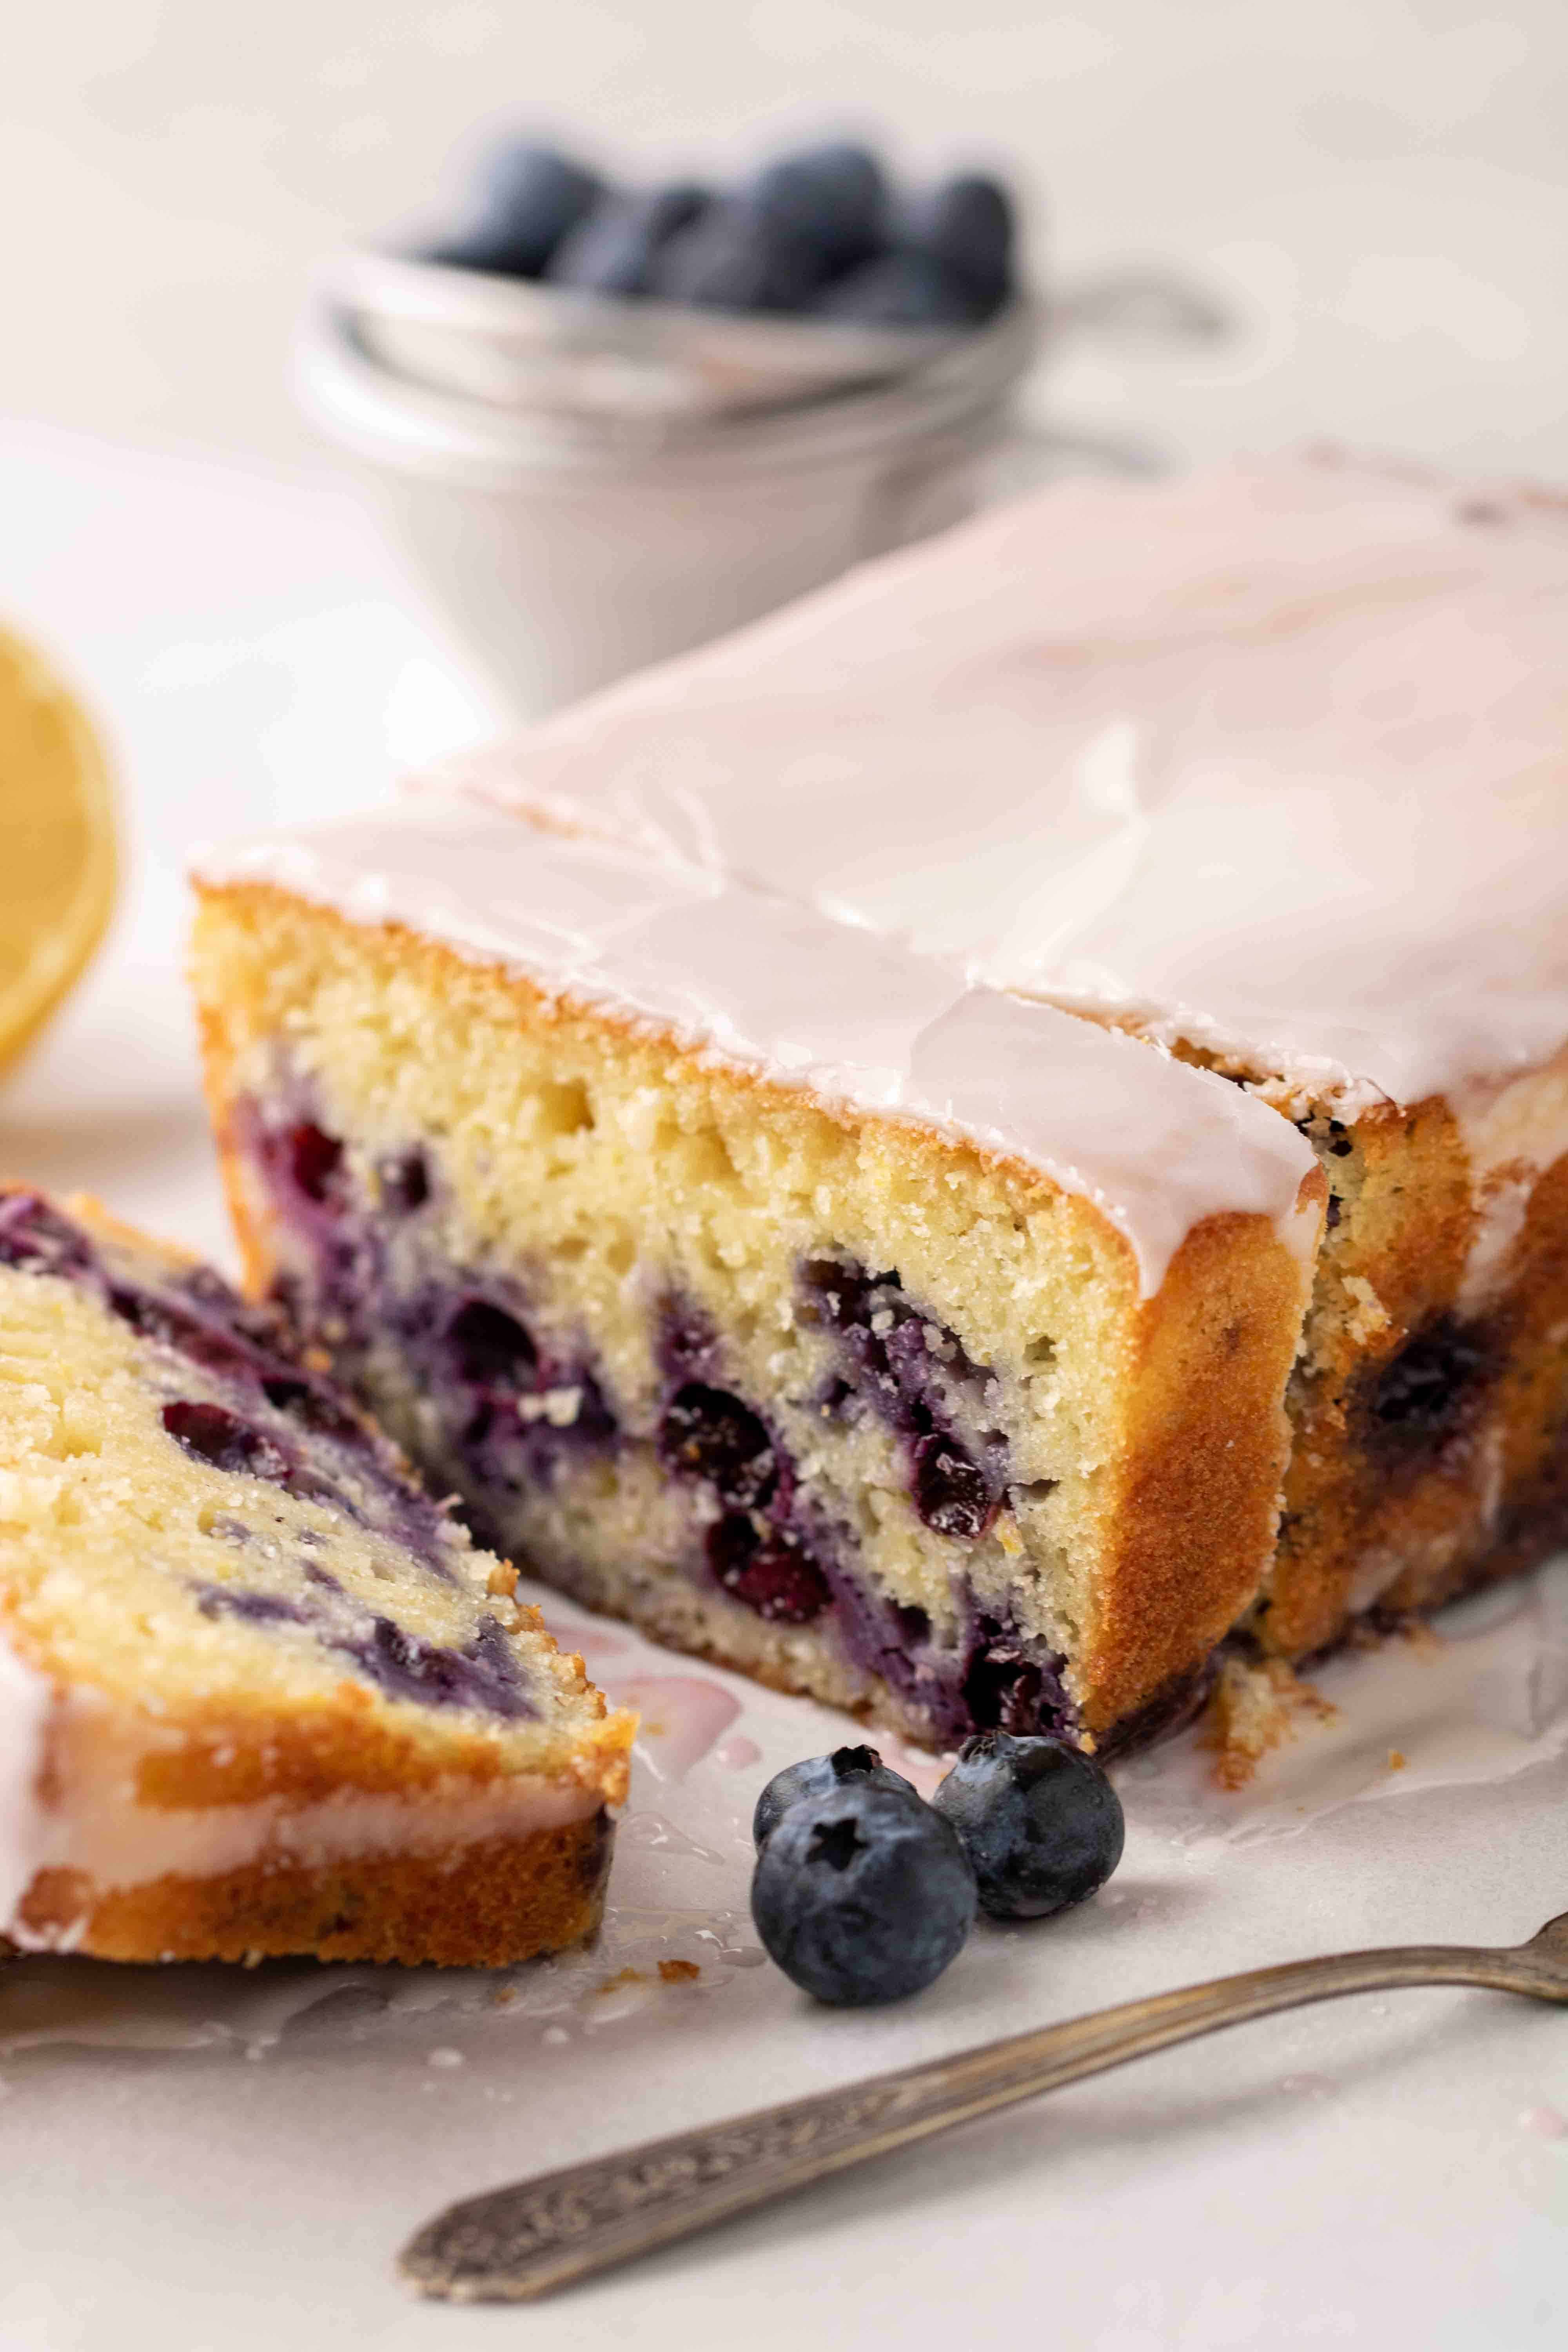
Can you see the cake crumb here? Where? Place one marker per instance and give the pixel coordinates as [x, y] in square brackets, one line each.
[621, 1977]
[1396, 1759]
[679, 1971]
[1368, 1315]
[1255, 1707]
[502, 1578]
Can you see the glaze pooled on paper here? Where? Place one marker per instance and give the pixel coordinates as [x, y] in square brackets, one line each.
[1273, 758]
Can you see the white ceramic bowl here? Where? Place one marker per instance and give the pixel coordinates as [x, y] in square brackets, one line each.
[568, 543]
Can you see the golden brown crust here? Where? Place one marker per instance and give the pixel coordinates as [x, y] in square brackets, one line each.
[1192, 1490]
[1482, 1502]
[1196, 1499]
[488, 1905]
[1445, 1516]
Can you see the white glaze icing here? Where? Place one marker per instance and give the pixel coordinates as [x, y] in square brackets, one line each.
[92, 1820]
[773, 986]
[25, 1703]
[1274, 757]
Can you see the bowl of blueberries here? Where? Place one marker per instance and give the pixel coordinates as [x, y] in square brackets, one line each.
[607, 421]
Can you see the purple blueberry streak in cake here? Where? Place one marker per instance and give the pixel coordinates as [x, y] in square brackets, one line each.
[917, 1376]
[511, 1410]
[285, 1426]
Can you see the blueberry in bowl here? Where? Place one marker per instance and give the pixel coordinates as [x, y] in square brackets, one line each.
[616, 249]
[966, 225]
[862, 1895]
[1041, 1824]
[822, 1776]
[736, 259]
[530, 197]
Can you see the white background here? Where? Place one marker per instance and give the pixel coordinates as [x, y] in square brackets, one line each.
[1379, 190]
[1379, 184]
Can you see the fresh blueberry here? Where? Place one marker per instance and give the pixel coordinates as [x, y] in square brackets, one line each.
[732, 258]
[531, 196]
[832, 197]
[819, 1776]
[900, 290]
[1039, 1820]
[613, 251]
[966, 226]
[863, 1895]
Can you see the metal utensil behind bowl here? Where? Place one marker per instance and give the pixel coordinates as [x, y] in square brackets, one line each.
[520, 344]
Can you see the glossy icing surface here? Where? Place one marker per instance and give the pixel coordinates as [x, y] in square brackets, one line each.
[25, 1699]
[773, 986]
[1273, 758]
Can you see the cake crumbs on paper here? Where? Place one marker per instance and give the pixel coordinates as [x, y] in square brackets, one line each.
[679, 1972]
[1396, 1759]
[1255, 1707]
[621, 1977]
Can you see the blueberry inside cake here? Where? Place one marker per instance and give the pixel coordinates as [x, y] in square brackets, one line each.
[897, 1342]
[260, 1693]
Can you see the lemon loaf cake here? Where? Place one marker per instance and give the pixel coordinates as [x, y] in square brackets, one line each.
[258, 1694]
[1268, 765]
[901, 1342]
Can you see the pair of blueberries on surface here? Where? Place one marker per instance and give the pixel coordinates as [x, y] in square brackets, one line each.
[818, 232]
[863, 1893]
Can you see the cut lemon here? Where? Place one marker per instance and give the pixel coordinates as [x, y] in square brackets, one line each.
[57, 860]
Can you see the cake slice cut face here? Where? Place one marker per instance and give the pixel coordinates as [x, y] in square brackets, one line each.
[1269, 766]
[896, 1341]
[259, 1694]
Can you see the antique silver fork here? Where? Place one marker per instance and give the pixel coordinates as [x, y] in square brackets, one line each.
[515, 2243]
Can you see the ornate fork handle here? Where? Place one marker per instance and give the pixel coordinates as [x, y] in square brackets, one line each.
[515, 2243]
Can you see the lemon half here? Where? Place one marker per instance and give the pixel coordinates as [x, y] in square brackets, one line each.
[57, 858]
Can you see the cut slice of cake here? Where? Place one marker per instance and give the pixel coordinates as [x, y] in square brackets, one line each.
[259, 1694]
[903, 1343]
[1269, 766]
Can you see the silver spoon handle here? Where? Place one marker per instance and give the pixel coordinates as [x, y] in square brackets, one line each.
[514, 2243]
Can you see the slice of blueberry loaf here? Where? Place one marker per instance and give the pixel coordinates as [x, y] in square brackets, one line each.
[259, 1694]
[902, 1343]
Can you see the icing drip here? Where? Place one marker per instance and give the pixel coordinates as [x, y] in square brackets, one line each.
[1273, 758]
[25, 1703]
[813, 1004]
[94, 1822]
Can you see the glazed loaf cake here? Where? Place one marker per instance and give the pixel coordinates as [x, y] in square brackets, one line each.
[895, 1340]
[258, 1694]
[1269, 766]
